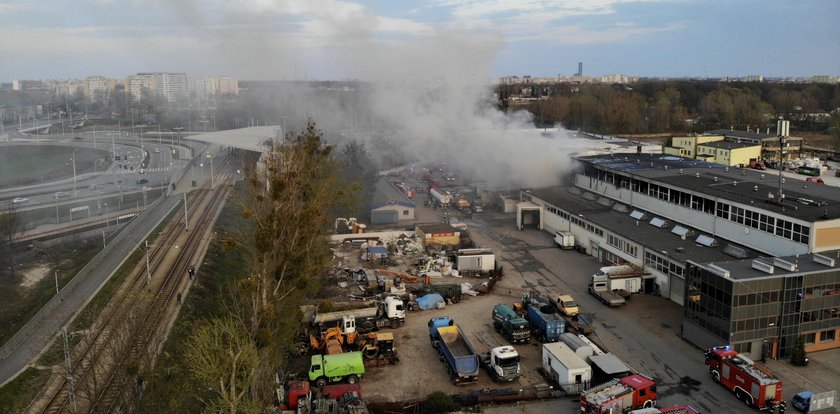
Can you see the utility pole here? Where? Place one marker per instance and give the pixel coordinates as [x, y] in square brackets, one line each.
[210, 157]
[186, 216]
[148, 268]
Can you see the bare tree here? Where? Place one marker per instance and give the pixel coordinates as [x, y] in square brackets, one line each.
[10, 226]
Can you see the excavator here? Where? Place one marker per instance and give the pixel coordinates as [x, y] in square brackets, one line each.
[377, 347]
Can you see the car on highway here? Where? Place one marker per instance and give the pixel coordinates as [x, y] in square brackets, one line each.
[62, 194]
[19, 200]
[143, 181]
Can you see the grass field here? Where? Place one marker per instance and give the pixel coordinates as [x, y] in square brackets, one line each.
[32, 164]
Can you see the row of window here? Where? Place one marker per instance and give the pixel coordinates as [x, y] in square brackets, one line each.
[753, 219]
[574, 220]
[765, 223]
[663, 265]
[622, 245]
[755, 323]
[825, 336]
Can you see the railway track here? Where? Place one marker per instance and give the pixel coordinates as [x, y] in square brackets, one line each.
[131, 321]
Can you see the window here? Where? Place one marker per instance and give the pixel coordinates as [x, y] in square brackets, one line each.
[810, 338]
[827, 336]
[405, 212]
[723, 210]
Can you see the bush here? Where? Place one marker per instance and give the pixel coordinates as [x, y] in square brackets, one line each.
[799, 357]
[439, 402]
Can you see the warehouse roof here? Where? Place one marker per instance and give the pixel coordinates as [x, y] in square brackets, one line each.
[386, 194]
[728, 144]
[805, 201]
[649, 230]
[804, 264]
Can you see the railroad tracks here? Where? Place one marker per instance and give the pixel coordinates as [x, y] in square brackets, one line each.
[127, 334]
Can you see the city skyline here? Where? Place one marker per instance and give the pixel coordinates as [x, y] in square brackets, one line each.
[370, 40]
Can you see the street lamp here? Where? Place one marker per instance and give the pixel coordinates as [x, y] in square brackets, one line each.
[210, 157]
[74, 172]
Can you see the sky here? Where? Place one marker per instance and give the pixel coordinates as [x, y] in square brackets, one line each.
[387, 39]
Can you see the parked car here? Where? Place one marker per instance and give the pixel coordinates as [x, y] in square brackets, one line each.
[815, 180]
[142, 181]
[802, 401]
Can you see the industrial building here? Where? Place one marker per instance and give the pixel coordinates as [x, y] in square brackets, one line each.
[390, 205]
[676, 215]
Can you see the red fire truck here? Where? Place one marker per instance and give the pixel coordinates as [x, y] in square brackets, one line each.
[619, 395]
[751, 383]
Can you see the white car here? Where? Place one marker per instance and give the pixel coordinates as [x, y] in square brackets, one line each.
[19, 200]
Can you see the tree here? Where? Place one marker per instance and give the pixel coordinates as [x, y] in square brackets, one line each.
[223, 359]
[798, 357]
[10, 226]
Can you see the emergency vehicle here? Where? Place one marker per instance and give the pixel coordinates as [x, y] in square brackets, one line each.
[619, 395]
[751, 383]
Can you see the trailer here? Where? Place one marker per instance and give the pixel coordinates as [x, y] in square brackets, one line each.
[440, 197]
[477, 260]
[565, 368]
[598, 288]
[626, 278]
[564, 239]
[462, 362]
[581, 348]
[546, 324]
[619, 395]
[751, 383]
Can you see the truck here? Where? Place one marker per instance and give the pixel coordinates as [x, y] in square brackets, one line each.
[439, 197]
[619, 395]
[565, 367]
[389, 312]
[325, 369]
[564, 239]
[298, 397]
[502, 363]
[751, 383]
[462, 362]
[546, 324]
[510, 324]
[566, 304]
[598, 288]
[624, 278]
[677, 409]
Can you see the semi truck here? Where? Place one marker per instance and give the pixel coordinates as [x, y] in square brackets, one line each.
[546, 324]
[502, 363]
[462, 362]
[598, 288]
[619, 395]
[565, 367]
[324, 369]
[751, 383]
[389, 312]
[510, 324]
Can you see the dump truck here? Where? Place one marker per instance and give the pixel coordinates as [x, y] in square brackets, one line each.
[751, 383]
[546, 324]
[502, 363]
[462, 362]
[510, 324]
[619, 395]
[324, 369]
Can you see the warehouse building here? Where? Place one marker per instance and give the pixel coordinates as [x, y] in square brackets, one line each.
[761, 306]
[390, 206]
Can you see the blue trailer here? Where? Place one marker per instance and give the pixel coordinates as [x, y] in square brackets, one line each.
[462, 362]
[546, 324]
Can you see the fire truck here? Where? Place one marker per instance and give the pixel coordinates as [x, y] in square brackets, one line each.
[751, 383]
[619, 395]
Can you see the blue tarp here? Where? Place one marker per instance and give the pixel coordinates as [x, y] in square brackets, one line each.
[380, 250]
[428, 302]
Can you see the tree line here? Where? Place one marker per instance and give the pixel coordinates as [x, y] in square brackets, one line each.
[677, 106]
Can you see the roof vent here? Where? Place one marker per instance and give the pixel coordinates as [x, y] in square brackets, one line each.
[638, 215]
[755, 188]
[682, 231]
[824, 260]
[681, 171]
[762, 176]
[735, 251]
[784, 264]
[715, 179]
[764, 267]
[658, 222]
[726, 169]
[707, 241]
[697, 175]
[666, 168]
[718, 270]
[734, 183]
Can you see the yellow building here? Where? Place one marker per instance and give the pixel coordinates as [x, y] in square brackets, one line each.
[439, 235]
[687, 146]
[729, 153]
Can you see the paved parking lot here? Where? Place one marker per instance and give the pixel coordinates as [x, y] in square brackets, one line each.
[645, 332]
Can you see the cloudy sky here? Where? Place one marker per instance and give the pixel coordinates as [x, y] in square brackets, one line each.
[330, 39]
